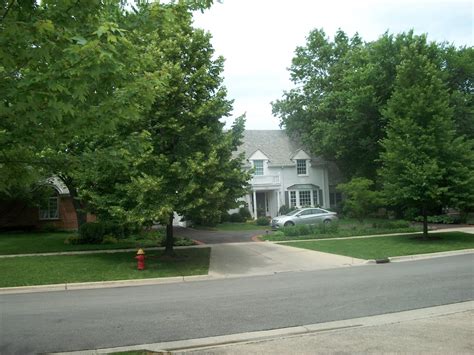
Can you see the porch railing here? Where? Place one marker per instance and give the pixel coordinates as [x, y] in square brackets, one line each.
[259, 180]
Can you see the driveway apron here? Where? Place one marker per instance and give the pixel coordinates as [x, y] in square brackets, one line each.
[248, 259]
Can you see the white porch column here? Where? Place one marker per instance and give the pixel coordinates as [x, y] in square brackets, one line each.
[278, 201]
[254, 204]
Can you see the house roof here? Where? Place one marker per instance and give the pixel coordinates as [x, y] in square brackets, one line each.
[273, 143]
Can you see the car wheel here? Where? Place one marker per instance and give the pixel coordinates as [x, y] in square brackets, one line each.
[289, 224]
[327, 221]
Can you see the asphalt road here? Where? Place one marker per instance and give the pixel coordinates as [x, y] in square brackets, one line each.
[90, 319]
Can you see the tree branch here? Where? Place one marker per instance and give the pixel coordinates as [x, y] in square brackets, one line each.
[10, 5]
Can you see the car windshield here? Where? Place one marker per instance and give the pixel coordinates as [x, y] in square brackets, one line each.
[292, 213]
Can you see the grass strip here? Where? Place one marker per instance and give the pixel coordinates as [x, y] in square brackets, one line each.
[383, 247]
[44, 270]
[26, 243]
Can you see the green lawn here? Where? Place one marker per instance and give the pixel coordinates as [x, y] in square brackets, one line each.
[382, 247]
[228, 226]
[26, 243]
[42, 270]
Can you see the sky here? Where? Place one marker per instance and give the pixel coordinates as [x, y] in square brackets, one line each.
[258, 38]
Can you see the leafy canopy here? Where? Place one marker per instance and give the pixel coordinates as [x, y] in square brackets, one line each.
[342, 87]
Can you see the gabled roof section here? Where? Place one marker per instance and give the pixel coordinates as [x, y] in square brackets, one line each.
[300, 154]
[258, 155]
[275, 144]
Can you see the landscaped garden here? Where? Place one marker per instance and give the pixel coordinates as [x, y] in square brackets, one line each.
[44, 270]
[342, 228]
[388, 246]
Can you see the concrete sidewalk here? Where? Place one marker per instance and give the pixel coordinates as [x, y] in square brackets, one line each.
[444, 334]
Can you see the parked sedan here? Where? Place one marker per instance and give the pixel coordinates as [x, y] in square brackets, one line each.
[304, 216]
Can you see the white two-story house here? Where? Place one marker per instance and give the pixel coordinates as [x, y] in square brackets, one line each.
[284, 173]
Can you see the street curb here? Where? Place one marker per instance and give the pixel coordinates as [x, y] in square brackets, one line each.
[396, 259]
[257, 336]
[208, 277]
[101, 284]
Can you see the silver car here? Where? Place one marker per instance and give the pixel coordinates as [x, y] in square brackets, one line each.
[304, 216]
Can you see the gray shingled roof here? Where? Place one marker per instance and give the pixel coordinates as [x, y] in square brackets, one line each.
[275, 144]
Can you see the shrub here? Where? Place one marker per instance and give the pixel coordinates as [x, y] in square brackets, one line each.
[225, 217]
[262, 221]
[72, 240]
[182, 242]
[300, 229]
[109, 239]
[91, 233]
[236, 218]
[179, 242]
[311, 229]
[114, 229]
[390, 224]
[49, 228]
[444, 219]
[245, 213]
[121, 230]
[284, 209]
[361, 200]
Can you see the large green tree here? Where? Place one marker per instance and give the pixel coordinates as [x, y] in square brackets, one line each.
[342, 87]
[68, 78]
[424, 162]
[183, 159]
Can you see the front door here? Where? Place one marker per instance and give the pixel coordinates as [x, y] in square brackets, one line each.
[261, 204]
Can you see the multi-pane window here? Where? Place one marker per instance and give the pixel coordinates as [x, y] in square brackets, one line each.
[258, 166]
[301, 167]
[49, 209]
[305, 198]
[292, 198]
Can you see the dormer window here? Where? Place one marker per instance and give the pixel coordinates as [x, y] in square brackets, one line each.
[258, 166]
[301, 167]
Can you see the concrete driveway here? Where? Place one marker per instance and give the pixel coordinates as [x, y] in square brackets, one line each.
[250, 259]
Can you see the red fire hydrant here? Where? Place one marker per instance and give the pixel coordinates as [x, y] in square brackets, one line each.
[140, 259]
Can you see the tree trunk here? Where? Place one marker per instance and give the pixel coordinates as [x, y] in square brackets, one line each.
[169, 241]
[425, 223]
[81, 214]
[79, 208]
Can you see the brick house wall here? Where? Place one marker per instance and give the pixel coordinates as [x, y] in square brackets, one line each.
[19, 215]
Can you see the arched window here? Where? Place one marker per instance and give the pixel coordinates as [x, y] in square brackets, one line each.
[49, 208]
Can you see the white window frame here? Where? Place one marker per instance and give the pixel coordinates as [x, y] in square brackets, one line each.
[314, 195]
[299, 167]
[308, 197]
[51, 211]
[258, 169]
